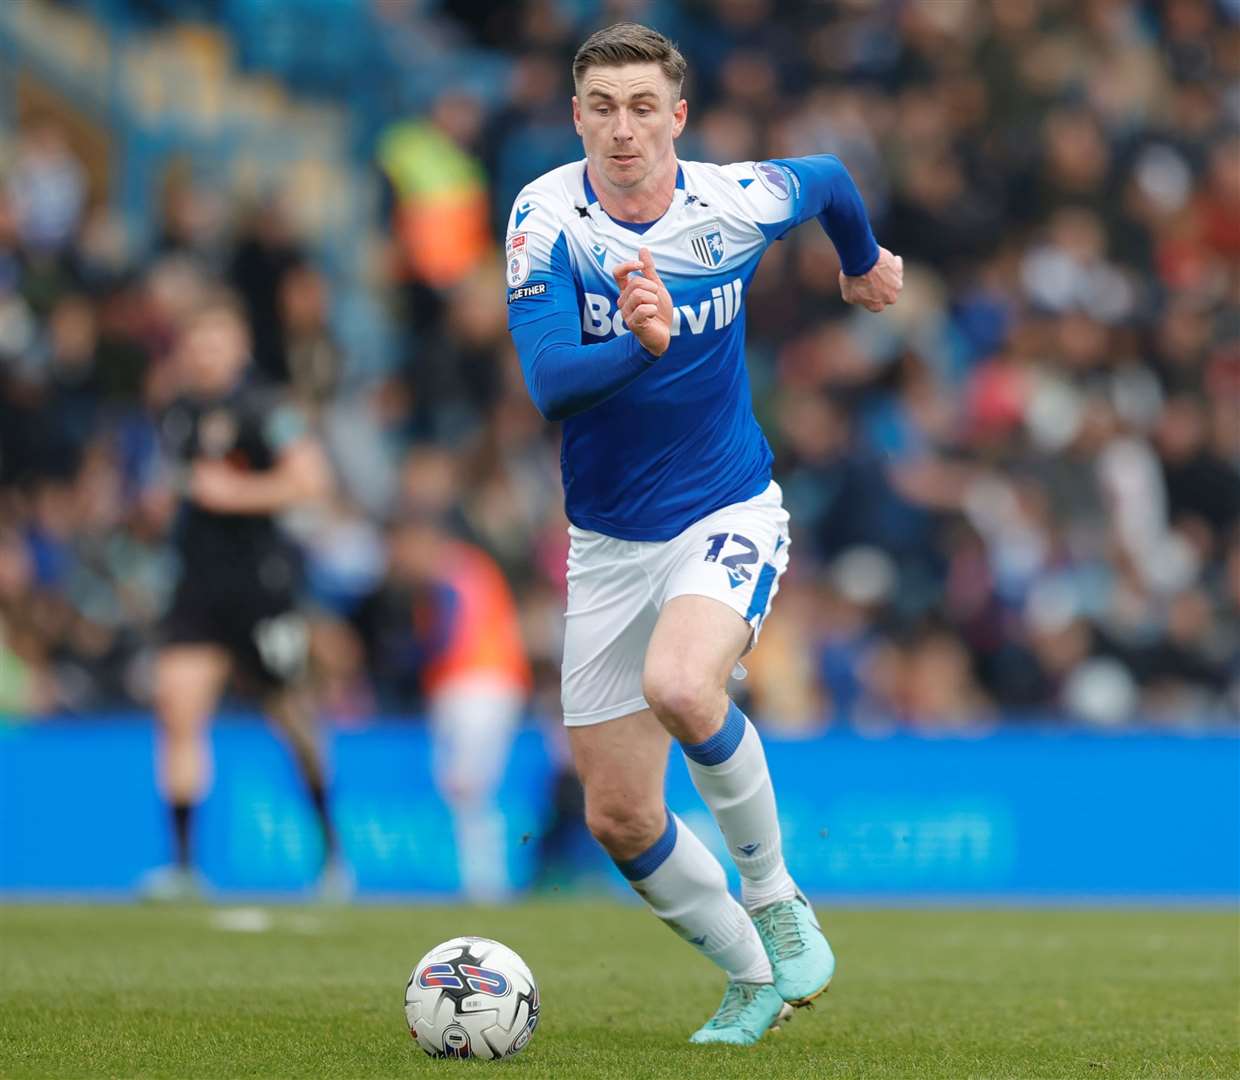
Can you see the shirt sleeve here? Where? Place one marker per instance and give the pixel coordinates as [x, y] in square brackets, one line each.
[564, 377]
[787, 192]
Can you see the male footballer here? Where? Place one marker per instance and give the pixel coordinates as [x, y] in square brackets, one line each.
[627, 275]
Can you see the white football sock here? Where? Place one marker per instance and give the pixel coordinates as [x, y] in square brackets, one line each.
[729, 770]
[685, 886]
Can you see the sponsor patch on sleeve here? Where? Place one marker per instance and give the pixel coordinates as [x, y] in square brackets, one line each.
[538, 288]
[775, 178]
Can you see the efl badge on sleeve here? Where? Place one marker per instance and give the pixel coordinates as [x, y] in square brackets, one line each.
[518, 259]
[707, 244]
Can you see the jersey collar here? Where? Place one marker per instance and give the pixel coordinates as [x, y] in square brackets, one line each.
[592, 199]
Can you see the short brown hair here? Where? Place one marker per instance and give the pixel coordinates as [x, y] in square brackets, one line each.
[630, 43]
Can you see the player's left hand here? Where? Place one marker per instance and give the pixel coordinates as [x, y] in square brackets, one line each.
[211, 485]
[879, 286]
[645, 303]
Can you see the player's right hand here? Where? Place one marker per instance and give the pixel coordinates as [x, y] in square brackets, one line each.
[645, 303]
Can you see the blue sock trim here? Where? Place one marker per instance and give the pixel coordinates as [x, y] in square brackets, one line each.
[653, 857]
[723, 743]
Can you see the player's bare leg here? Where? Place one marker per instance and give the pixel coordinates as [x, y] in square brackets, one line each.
[622, 764]
[292, 711]
[188, 682]
[695, 645]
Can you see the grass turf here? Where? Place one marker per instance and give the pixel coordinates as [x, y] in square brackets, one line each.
[141, 991]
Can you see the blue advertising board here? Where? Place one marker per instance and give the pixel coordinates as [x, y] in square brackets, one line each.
[1014, 814]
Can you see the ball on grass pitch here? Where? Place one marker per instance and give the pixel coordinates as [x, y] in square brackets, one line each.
[471, 997]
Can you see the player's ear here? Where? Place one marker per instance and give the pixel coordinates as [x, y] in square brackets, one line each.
[680, 114]
[577, 115]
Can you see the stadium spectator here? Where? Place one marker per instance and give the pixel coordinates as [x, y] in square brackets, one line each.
[442, 627]
[266, 251]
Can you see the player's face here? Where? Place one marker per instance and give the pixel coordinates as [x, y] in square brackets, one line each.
[213, 350]
[628, 118]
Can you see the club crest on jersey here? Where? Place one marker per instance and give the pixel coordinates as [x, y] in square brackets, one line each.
[518, 259]
[707, 245]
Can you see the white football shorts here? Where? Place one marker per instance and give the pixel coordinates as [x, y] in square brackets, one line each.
[616, 589]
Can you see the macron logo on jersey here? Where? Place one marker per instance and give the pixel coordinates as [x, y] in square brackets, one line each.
[598, 319]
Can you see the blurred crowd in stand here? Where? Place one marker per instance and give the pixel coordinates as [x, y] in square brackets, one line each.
[1015, 495]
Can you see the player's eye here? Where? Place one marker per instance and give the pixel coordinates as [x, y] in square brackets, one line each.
[602, 110]
[642, 112]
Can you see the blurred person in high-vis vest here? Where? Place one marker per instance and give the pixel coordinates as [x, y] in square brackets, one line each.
[440, 213]
[464, 637]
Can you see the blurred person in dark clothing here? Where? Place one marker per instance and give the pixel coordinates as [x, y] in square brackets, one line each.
[242, 457]
[527, 132]
[313, 358]
[266, 250]
[1200, 486]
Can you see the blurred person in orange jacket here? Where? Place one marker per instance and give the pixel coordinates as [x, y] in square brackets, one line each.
[447, 618]
[437, 192]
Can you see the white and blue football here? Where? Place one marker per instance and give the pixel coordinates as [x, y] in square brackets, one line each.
[471, 997]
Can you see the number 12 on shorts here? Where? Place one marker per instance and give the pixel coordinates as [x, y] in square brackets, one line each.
[739, 562]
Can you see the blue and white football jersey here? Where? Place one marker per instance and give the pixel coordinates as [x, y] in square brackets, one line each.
[653, 444]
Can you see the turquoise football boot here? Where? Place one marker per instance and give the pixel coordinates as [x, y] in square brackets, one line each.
[801, 959]
[748, 1011]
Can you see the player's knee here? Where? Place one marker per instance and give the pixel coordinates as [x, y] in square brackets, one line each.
[624, 830]
[686, 705]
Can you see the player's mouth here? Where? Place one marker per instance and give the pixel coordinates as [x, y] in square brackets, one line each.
[624, 159]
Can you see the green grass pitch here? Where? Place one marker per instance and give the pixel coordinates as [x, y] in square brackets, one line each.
[110, 991]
